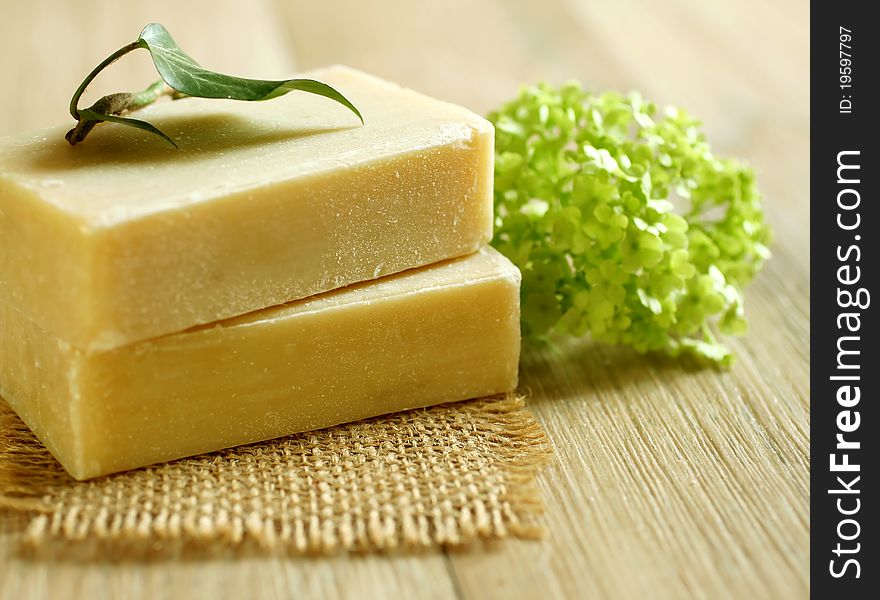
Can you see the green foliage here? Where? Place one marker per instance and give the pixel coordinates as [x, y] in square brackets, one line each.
[624, 224]
[185, 77]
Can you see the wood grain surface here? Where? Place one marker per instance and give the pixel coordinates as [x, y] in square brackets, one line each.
[670, 481]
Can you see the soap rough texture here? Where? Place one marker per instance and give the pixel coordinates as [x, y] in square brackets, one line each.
[122, 238]
[442, 333]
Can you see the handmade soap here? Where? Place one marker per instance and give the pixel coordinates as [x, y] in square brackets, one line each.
[438, 334]
[123, 238]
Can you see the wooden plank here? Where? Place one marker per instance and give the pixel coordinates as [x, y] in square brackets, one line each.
[337, 578]
[473, 53]
[669, 481]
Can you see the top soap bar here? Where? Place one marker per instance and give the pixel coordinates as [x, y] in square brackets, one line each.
[123, 238]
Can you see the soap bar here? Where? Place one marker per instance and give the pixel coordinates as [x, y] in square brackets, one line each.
[442, 333]
[123, 238]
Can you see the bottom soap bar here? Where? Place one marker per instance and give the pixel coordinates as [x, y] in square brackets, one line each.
[438, 334]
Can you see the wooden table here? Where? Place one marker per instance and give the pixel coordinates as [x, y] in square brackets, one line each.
[669, 481]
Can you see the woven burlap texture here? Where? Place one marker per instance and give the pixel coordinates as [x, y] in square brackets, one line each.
[442, 476]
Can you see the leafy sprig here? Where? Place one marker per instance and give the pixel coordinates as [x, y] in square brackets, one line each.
[181, 77]
[624, 223]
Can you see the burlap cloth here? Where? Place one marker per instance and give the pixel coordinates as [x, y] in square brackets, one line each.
[447, 475]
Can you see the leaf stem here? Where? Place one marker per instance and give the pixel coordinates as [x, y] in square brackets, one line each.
[155, 91]
[116, 104]
[74, 102]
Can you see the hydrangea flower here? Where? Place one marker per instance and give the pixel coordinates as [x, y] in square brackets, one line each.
[624, 223]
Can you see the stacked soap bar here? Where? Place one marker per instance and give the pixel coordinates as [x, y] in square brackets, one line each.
[287, 269]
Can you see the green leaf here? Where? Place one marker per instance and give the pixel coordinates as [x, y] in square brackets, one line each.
[186, 76]
[94, 116]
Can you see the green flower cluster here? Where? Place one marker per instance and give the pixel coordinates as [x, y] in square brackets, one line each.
[624, 224]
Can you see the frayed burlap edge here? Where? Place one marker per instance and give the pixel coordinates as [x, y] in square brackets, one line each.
[445, 476]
